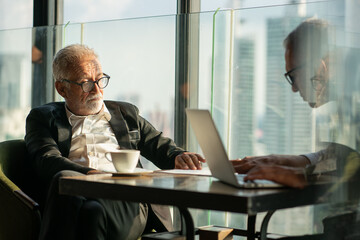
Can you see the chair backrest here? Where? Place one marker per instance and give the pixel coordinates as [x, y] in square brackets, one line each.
[13, 162]
[19, 214]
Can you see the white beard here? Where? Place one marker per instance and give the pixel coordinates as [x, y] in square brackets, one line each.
[94, 106]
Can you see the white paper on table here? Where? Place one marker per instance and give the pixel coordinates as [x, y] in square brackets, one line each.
[202, 172]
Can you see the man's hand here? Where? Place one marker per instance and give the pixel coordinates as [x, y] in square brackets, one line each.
[247, 163]
[189, 160]
[94, 171]
[288, 176]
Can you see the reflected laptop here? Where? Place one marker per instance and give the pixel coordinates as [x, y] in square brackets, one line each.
[215, 154]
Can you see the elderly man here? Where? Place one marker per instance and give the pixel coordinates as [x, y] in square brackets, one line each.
[71, 138]
[308, 61]
[307, 71]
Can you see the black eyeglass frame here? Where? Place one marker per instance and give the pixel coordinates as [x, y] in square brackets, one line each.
[290, 78]
[92, 82]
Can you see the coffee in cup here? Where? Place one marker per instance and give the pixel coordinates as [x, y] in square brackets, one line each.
[124, 160]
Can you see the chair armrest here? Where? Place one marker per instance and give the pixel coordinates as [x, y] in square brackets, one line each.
[8, 185]
[26, 199]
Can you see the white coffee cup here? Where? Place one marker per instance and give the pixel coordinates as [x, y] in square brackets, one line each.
[124, 160]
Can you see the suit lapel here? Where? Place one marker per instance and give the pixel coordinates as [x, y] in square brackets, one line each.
[119, 126]
[64, 130]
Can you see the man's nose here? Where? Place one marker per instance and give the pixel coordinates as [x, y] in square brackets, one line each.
[96, 88]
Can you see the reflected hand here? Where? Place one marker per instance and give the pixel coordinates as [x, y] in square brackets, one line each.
[189, 160]
[247, 163]
[292, 177]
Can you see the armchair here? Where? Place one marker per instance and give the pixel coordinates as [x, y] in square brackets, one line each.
[19, 214]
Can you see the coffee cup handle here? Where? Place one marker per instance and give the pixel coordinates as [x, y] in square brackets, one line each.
[107, 158]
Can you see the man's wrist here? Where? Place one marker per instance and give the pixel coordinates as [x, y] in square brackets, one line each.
[304, 161]
[94, 171]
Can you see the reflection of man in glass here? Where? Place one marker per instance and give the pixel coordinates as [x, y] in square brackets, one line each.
[305, 49]
[307, 65]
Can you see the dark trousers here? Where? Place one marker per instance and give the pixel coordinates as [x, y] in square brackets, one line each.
[74, 217]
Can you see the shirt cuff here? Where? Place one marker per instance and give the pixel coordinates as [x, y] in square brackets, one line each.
[313, 157]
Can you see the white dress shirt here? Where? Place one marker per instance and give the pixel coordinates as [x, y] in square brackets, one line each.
[92, 137]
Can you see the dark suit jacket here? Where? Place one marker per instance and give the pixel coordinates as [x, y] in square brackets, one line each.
[48, 139]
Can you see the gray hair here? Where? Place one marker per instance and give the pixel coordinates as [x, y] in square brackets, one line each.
[309, 41]
[67, 60]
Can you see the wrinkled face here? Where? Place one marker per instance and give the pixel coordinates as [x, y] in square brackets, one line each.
[302, 78]
[78, 101]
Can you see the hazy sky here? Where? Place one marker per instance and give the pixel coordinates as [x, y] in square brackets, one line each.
[18, 13]
[91, 10]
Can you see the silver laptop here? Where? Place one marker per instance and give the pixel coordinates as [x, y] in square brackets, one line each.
[215, 154]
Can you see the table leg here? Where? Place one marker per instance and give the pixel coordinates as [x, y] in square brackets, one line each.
[188, 229]
[251, 221]
[264, 225]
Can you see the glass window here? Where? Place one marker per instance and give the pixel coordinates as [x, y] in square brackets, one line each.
[16, 14]
[240, 80]
[76, 11]
[15, 67]
[257, 112]
[147, 44]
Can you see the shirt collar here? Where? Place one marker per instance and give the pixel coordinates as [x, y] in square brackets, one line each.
[103, 112]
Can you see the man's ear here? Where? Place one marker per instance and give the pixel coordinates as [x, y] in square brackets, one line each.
[60, 88]
[324, 63]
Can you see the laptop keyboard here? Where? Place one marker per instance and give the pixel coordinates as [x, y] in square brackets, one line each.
[258, 183]
[240, 178]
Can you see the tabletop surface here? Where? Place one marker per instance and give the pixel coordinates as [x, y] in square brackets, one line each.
[191, 191]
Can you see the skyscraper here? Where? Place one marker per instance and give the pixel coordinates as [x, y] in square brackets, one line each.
[242, 112]
[287, 120]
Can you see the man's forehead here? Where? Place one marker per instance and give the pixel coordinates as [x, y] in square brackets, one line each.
[84, 75]
[87, 67]
[90, 62]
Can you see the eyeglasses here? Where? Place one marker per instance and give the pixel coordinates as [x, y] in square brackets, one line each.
[88, 86]
[289, 78]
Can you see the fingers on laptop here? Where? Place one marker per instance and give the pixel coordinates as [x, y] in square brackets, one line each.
[243, 165]
[189, 161]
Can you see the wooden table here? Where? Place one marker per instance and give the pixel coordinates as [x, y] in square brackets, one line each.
[188, 191]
